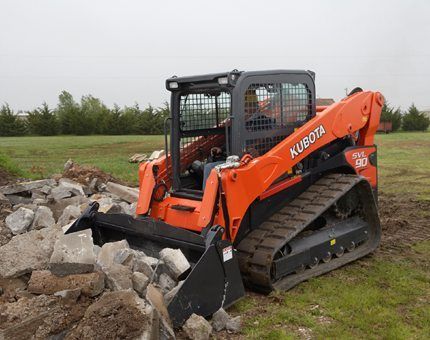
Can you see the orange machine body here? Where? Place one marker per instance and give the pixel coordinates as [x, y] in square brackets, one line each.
[259, 178]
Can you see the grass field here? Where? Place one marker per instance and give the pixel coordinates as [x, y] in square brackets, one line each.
[40, 157]
[383, 296]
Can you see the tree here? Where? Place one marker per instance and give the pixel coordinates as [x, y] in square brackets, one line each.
[414, 120]
[389, 114]
[69, 113]
[10, 124]
[43, 121]
[95, 114]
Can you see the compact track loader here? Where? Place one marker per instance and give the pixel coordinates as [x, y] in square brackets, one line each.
[259, 186]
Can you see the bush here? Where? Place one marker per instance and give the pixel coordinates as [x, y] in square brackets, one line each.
[42, 121]
[414, 120]
[10, 124]
[389, 114]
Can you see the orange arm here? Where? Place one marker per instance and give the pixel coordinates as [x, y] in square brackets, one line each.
[359, 112]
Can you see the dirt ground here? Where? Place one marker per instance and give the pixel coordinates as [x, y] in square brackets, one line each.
[404, 220]
[5, 177]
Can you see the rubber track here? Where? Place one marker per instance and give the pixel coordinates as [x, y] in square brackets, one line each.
[259, 248]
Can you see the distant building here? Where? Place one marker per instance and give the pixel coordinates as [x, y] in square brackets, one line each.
[325, 101]
[22, 115]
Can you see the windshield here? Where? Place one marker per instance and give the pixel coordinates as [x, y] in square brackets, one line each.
[205, 110]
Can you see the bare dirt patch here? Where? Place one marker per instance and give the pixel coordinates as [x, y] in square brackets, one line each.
[84, 174]
[404, 220]
[5, 177]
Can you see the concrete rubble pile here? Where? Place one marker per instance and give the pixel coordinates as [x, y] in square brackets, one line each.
[64, 286]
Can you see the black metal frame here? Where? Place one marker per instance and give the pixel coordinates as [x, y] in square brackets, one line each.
[237, 84]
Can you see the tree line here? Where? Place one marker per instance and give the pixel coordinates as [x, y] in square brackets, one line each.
[410, 120]
[91, 116]
[86, 117]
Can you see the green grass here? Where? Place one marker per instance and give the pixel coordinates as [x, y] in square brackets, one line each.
[7, 164]
[40, 157]
[404, 163]
[370, 299]
[375, 298]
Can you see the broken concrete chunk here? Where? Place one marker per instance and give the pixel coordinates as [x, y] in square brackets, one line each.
[16, 199]
[140, 282]
[19, 221]
[170, 295]
[73, 254]
[197, 328]
[109, 251]
[117, 315]
[129, 209]
[166, 283]
[26, 186]
[70, 213]
[155, 297]
[175, 261]
[68, 165]
[157, 154]
[43, 218]
[74, 187]
[44, 282]
[4, 199]
[143, 264]
[118, 277]
[125, 257]
[220, 319]
[69, 294]
[27, 252]
[59, 193]
[127, 194]
[234, 324]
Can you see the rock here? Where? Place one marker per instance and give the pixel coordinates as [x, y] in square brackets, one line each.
[220, 319]
[166, 283]
[127, 194]
[93, 185]
[44, 282]
[137, 158]
[69, 294]
[46, 189]
[5, 234]
[140, 282]
[58, 207]
[118, 277]
[129, 209]
[26, 186]
[66, 227]
[70, 213]
[155, 297]
[74, 187]
[125, 257]
[197, 328]
[175, 261]
[32, 207]
[73, 254]
[109, 251]
[143, 264]
[19, 221]
[156, 154]
[5, 200]
[68, 165]
[58, 193]
[117, 315]
[170, 295]
[16, 199]
[36, 193]
[234, 325]
[96, 250]
[112, 208]
[40, 201]
[43, 218]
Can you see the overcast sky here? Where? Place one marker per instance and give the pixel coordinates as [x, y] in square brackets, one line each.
[122, 51]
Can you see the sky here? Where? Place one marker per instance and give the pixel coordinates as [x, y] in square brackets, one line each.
[122, 51]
